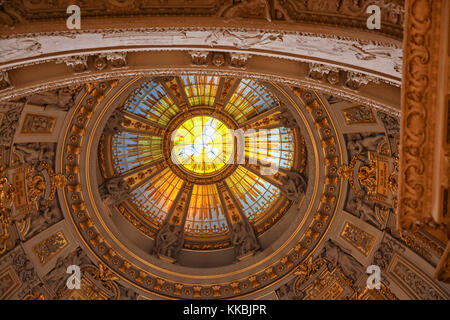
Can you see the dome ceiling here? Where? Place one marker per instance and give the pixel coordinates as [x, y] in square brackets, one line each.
[204, 161]
[196, 148]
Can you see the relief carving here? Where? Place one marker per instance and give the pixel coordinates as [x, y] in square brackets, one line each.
[24, 269]
[293, 185]
[76, 64]
[358, 238]
[392, 127]
[114, 190]
[285, 118]
[169, 241]
[38, 124]
[358, 114]
[63, 98]
[385, 252]
[58, 276]
[239, 60]
[356, 80]
[46, 216]
[198, 58]
[114, 123]
[47, 248]
[36, 151]
[249, 9]
[9, 122]
[418, 112]
[363, 210]
[241, 40]
[4, 80]
[422, 288]
[360, 143]
[321, 72]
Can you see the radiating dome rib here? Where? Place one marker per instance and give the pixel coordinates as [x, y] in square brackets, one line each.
[249, 99]
[274, 145]
[205, 214]
[130, 150]
[255, 195]
[152, 102]
[157, 195]
[200, 90]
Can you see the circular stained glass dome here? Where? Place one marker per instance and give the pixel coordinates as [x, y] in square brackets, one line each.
[202, 145]
[177, 150]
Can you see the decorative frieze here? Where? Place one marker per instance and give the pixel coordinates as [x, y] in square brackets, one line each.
[219, 59]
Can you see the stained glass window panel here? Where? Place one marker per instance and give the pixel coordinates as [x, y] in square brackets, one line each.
[268, 146]
[156, 197]
[254, 194]
[205, 214]
[249, 99]
[200, 90]
[130, 150]
[152, 102]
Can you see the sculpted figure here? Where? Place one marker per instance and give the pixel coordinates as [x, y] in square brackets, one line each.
[114, 124]
[293, 185]
[286, 119]
[114, 190]
[243, 238]
[169, 240]
[342, 257]
[363, 210]
[239, 40]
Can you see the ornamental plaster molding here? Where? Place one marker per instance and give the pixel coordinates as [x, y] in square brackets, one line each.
[343, 93]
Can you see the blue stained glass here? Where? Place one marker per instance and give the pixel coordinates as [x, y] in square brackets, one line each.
[131, 150]
[249, 99]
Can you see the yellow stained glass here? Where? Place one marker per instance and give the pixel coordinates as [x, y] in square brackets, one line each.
[200, 90]
[203, 145]
[205, 215]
